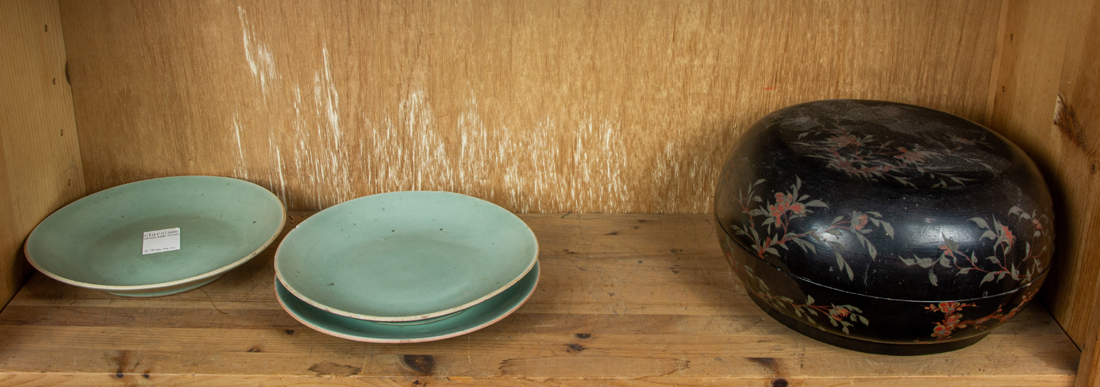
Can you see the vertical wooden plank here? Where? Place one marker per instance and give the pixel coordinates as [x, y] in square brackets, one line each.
[40, 166]
[609, 106]
[1077, 119]
[1048, 53]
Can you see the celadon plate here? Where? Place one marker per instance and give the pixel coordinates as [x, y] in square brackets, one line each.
[96, 242]
[405, 256]
[476, 317]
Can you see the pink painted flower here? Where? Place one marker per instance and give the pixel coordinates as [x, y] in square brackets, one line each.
[911, 156]
[860, 222]
[839, 313]
[941, 331]
[1008, 235]
[798, 208]
[949, 307]
[952, 321]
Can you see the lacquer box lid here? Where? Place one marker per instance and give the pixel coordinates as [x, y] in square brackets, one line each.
[888, 200]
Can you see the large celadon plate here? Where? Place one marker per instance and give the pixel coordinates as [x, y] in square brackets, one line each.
[469, 320]
[405, 256]
[96, 242]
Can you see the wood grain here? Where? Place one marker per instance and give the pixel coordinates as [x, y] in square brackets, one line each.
[1077, 120]
[1046, 101]
[611, 106]
[624, 300]
[40, 166]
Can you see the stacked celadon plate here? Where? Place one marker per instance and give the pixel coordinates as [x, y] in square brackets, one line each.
[406, 267]
[156, 237]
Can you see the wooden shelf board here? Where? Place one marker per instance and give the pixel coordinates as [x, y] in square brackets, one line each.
[623, 299]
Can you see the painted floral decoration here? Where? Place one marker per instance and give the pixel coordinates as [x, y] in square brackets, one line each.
[953, 317]
[869, 158]
[768, 224]
[839, 316]
[993, 267]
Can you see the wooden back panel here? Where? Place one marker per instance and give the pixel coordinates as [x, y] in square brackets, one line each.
[614, 106]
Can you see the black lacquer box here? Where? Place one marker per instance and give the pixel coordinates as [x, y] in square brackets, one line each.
[884, 227]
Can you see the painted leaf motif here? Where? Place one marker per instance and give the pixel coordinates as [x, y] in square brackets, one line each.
[987, 278]
[864, 321]
[981, 222]
[908, 261]
[950, 243]
[994, 260]
[817, 203]
[925, 262]
[989, 234]
[851, 276]
[871, 250]
[932, 277]
[945, 262]
[810, 246]
[1016, 211]
[889, 229]
[809, 300]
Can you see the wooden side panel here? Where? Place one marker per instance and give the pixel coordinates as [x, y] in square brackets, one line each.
[40, 166]
[1077, 121]
[610, 106]
[1047, 101]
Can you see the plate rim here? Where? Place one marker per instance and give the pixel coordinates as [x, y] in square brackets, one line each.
[362, 339]
[367, 317]
[159, 285]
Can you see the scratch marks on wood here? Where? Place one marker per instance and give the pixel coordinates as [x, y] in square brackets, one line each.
[405, 150]
[570, 107]
[258, 54]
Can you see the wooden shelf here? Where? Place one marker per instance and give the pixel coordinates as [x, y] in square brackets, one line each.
[623, 299]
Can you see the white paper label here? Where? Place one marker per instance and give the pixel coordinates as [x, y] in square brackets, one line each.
[159, 241]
